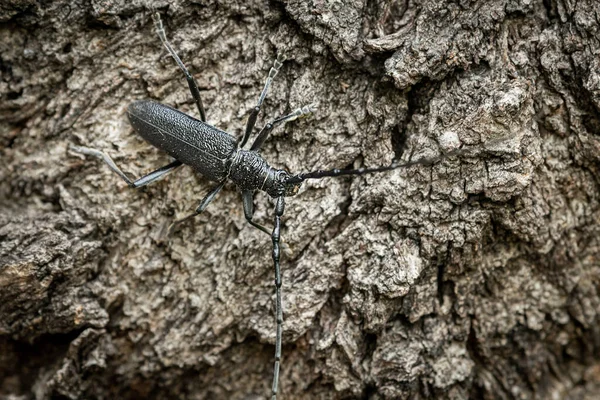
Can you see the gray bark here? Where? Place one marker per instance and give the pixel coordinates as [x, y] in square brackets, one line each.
[477, 277]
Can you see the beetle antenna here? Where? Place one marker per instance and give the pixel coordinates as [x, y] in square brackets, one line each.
[319, 174]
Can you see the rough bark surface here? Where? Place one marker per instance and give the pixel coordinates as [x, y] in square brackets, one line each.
[477, 277]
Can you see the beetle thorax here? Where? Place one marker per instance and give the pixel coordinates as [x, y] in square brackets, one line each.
[249, 171]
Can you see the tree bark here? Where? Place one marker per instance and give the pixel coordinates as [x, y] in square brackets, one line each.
[475, 277]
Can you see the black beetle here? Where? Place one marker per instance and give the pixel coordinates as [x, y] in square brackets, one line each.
[219, 156]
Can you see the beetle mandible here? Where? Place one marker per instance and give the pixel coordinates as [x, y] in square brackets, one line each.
[219, 156]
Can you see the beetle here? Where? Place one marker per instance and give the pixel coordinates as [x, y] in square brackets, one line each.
[219, 156]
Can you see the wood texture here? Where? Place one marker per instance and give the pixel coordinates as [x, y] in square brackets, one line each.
[478, 277]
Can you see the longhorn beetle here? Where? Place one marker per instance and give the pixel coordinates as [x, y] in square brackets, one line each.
[219, 156]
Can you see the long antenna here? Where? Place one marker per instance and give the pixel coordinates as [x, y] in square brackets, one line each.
[318, 174]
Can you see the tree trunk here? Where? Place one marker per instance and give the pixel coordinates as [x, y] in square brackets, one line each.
[475, 277]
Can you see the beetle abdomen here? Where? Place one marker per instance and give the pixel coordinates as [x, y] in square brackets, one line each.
[203, 147]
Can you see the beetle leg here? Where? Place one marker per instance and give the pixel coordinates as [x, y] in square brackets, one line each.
[143, 181]
[266, 130]
[160, 30]
[203, 204]
[248, 201]
[254, 114]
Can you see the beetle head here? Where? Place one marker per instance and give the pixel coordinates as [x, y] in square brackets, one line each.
[291, 188]
[292, 185]
[278, 184]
